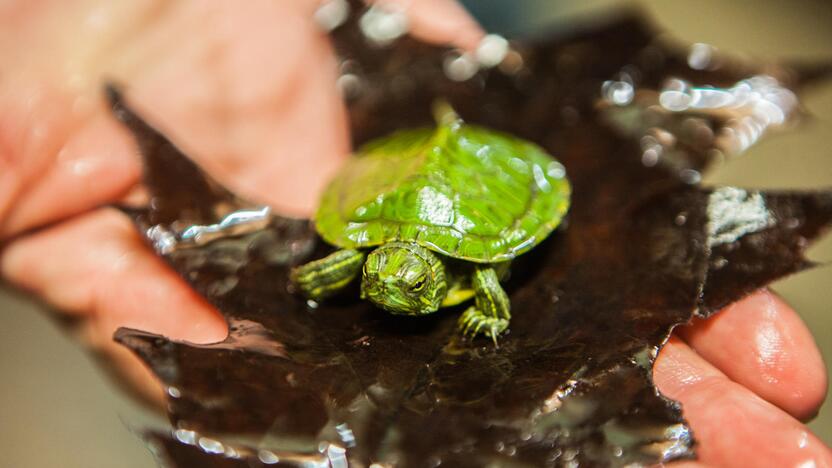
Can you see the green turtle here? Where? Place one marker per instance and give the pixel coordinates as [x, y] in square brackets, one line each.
[432, 217]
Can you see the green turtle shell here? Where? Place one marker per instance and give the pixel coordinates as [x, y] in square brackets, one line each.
[460, 190]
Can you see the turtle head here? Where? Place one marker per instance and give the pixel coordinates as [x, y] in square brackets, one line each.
[404, 278]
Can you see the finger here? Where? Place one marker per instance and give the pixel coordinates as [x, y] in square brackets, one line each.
[733, 425]
[761, 343]
[62, 161]
[97, 269]
[96, 266]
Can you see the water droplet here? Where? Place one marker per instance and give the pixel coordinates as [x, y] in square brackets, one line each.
[331, 14]
[383, 24]
[174, 392]
[650, 157]
[750, 107]
[681, 219]
[349, 85]
[690, 176]
[345, 434]
[162, 239]
[185, 436]
[211, 445]
[311, 304]
[231, 452]
[491, 50]
[619, 92]
[675, 95]
[460, 66]
[700, 56]
[651, 149]
[556, 170]
[268, 457]
[337, 456]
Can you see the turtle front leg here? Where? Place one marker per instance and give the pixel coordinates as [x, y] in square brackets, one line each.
[490, 313]
[319, 279]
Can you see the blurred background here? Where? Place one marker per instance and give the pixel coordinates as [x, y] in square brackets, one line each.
[58, 409]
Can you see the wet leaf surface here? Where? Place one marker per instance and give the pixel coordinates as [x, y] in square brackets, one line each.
[643, 250]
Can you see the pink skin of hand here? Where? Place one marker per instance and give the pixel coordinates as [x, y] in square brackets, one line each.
[272, 127]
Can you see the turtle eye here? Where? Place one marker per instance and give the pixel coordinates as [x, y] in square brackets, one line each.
[418, 285]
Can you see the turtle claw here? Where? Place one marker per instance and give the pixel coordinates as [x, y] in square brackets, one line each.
[473, 322]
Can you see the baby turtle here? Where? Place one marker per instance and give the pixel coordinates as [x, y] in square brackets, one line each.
[432, 217]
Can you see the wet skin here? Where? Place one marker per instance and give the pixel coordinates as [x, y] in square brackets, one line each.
[244, 111]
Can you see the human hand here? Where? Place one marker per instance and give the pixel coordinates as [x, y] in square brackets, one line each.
[247, 90]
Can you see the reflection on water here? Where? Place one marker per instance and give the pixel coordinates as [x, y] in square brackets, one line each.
[678, 116]
[750, 107]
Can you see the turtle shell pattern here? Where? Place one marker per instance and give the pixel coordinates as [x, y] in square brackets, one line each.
[459, 190]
